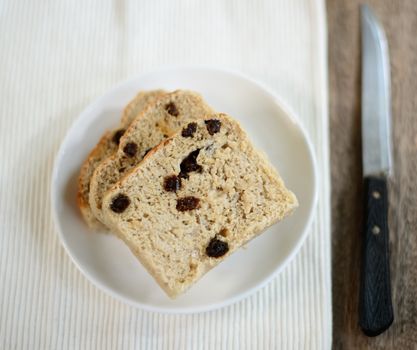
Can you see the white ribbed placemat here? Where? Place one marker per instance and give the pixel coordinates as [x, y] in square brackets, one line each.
[55, 57]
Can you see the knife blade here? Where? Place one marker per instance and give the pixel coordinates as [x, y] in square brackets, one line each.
[375, 305]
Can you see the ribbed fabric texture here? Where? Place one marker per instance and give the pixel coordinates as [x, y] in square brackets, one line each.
[55, 57]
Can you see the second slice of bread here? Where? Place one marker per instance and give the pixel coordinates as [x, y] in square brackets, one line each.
[153, 125]
[107, 145]
[194, 200]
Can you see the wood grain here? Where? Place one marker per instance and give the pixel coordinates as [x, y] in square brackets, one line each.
[399, 19]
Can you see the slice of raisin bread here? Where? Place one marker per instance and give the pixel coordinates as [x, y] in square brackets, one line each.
[194, 200]
[105, 148]
[154, 124]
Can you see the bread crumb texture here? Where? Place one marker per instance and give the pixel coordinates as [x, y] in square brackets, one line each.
[195, 199]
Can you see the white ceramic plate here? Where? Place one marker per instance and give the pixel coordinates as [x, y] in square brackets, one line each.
[108, 263]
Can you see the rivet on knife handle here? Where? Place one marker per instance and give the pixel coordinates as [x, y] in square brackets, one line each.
[375, 308]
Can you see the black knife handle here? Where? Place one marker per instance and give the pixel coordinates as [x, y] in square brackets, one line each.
[375, 306]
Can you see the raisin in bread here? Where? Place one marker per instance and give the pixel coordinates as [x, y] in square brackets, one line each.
[154, 124]
[194, 200]
[105, 148]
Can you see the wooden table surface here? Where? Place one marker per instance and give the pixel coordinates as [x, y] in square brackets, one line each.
[399, 18]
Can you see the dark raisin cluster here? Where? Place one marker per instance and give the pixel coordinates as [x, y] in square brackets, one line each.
[130, 149]
[189, 130]
[213, 126]
[117, 136]
[172, 183]
[217, 248]
[171, 108]
[189, 164]
[187, 203]
[120, 203]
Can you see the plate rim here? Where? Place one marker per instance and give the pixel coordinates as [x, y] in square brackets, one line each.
[289, 114]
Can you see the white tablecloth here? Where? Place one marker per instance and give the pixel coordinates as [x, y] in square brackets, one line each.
[55, 57]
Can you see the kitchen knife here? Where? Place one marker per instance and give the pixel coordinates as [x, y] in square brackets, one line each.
[375, 307]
